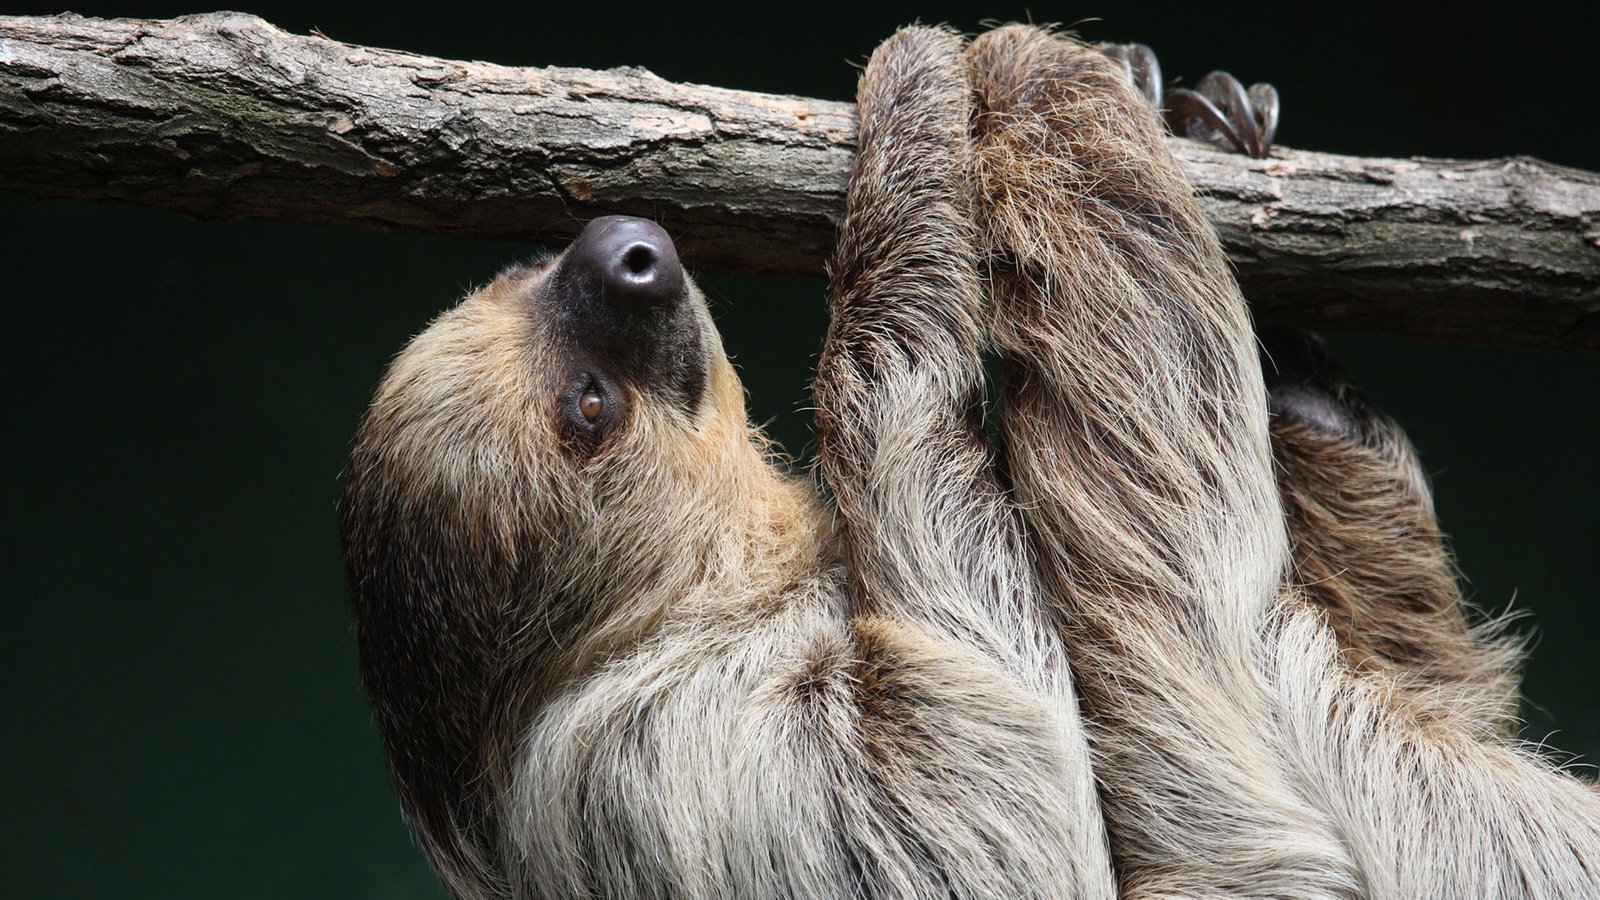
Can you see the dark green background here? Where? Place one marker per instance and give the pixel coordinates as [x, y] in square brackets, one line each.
[181, 715]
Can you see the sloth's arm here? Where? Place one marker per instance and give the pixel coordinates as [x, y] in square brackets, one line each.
[900, 382]
[935, 550]
[1365, 543]
[1241, 750]
[1137, 443]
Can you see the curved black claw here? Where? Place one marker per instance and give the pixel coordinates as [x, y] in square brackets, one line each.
[1264, 110]
[1220, 110]
[1143, 70]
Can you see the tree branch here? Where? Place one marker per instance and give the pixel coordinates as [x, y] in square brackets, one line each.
[224, 116]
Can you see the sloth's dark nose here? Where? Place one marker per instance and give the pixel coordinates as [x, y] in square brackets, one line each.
[632, 260]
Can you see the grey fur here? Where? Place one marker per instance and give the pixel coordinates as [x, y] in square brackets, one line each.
[629, 655]
[1240, 749]
[668, 669]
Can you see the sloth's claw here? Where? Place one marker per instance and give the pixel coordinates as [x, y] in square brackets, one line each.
[1221, 110]
[1218, 110]
[1141, 66]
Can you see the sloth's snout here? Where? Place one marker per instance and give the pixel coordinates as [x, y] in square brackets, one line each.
[620, 304]
[630, 261]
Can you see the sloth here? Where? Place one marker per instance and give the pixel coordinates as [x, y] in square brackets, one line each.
[614, 650]
[1163, 633]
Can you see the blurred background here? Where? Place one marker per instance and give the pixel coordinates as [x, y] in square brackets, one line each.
[180, 712]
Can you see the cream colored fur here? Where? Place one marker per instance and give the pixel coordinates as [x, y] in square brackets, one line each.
[668, 669]
[646, 661]
[1239, 751]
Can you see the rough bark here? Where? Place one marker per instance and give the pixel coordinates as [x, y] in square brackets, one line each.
[224, 116]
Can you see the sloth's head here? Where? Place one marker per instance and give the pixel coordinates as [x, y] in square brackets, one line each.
[537, 470]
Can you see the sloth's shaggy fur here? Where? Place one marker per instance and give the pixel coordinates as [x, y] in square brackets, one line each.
[615, 650]
[1243, 746]
[1366, 546]
[641, 660]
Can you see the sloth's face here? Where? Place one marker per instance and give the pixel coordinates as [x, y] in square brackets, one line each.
[531, 466]
[615, 324]
[521, 450]
[560, 372]
[557, 441]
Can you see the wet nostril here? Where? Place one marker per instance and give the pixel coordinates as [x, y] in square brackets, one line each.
[639, 259]
[627, 260]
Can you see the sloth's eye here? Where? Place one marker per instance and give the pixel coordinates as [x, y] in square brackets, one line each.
[591, 404]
